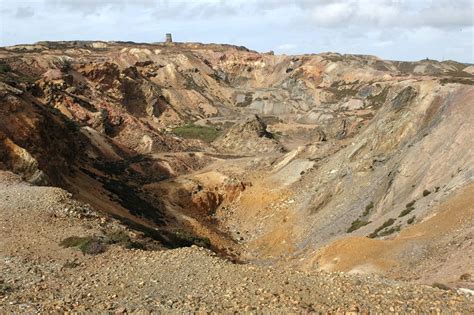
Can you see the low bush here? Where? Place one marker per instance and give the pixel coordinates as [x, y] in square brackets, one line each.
[87, 245]
[406, 211]
[411, 220]
[387, 223]
[380, 228]
[368, 208]
[357, 224]
[410, 204]
[426, 192]
[123, 239]
[390, 231]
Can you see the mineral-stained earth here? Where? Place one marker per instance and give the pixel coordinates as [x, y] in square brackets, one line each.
[187, 177]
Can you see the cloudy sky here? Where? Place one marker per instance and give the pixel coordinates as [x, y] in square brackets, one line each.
[391, 29]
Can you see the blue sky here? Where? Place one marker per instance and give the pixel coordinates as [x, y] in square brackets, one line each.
[390, 29]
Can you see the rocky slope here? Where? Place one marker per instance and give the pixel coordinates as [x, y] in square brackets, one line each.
[315, 162]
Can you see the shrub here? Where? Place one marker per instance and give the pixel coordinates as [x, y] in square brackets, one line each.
[357, 224]
[380, 228]
[426, 193]
[123, 239]
[411, 220]
[387, 223]
[410, 204]
[368, 208]
[93, 247]
[191, 131]
[87, 245]
[390, 231]
[406, 211]
[118, 237]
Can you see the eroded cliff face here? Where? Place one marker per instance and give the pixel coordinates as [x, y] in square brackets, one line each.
[165, 136]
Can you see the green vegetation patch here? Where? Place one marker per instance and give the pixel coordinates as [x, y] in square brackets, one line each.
[386, 224]
[191, 131]
[390, 230]
[357, 224]
[411, 220]
[426, 192]
[368, 209]
[87, 245]
[93, 245]
[410, 204]
[123, 239]
[406, 211]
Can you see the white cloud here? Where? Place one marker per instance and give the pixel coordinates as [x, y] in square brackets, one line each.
[396, 29]
[332, 14]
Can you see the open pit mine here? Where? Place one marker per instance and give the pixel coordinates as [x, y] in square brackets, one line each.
[188, 177]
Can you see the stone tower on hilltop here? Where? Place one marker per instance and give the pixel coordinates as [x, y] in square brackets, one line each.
[169, 39]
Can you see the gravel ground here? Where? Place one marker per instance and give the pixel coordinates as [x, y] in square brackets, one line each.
[38, 275]
[192, 279]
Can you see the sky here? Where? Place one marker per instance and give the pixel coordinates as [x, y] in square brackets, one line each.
[390, 29]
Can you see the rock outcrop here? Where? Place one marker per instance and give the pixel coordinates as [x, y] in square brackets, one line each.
[248, 137]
